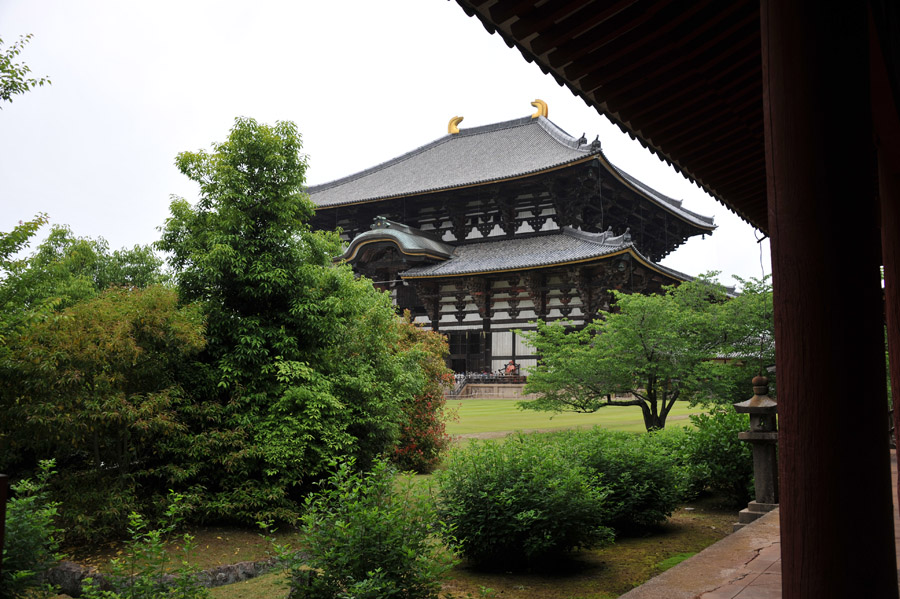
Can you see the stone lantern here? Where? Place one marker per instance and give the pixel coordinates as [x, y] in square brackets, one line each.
[763, 435]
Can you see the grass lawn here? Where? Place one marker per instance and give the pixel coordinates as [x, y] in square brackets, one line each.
[496, 417]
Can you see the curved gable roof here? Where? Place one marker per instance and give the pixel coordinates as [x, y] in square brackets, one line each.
[409, 241]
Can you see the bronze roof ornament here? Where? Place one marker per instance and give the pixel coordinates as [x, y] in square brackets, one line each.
[453, 125]
[542, 109]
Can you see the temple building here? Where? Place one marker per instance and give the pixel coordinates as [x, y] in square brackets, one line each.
[489, 228]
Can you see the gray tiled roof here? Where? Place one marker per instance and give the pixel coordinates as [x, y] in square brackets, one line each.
[559, 247]
[474, 155]
[480, 155]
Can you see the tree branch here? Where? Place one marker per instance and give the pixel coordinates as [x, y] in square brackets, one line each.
[625, 402]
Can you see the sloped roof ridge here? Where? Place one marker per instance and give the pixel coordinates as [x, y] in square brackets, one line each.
[620, 242]
[557, 133]
[553, 130]
[661, 196]
[378, 167]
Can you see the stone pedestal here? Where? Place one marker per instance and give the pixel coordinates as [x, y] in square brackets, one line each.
[763, 434]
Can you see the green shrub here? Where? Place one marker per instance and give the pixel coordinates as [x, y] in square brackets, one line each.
[369, 536]
[97, 505]
[423, 439]
[32, 539]
[513, 503]
[673, 443]
[147, 570]
[719, 462]
[640, 471]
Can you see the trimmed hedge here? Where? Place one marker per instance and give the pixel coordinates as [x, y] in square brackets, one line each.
[514, 503]
[719, 461]
[640, 471]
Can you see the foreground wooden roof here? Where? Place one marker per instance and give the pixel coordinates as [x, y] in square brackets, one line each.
[683, 77]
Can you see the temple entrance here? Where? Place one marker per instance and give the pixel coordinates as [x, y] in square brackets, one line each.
[467, 351]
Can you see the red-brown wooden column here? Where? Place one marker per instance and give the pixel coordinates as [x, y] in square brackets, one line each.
[836, 517]
[886, 123]
[889, 192]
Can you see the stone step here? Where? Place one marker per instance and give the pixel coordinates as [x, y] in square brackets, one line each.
[762, 508]
[750, 513]
[745, 516]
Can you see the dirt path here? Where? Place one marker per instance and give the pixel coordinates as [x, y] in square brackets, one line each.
[501, 434]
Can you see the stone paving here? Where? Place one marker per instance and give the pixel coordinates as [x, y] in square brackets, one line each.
[744, 565]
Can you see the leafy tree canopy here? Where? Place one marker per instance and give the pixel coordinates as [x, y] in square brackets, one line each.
[14, 77]
[65, 269]
[652, 351]
[303, 357]
[96, 386]
[16, 240]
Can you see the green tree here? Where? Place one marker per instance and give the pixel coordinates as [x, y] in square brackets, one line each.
[747, 348]
[94, 386]
[16, 240]
[11, 305]
[650, 352]
[63, 270]
[303, 357]
[14, 77]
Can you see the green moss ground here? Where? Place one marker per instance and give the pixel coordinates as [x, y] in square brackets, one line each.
[608, 572]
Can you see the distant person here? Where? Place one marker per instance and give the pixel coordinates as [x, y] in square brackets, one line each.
[511, 368]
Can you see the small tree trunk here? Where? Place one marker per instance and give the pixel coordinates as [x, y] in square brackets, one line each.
[653, 421]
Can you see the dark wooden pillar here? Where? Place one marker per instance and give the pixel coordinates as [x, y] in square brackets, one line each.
[836, 519]
[886, 122]
[889, 192]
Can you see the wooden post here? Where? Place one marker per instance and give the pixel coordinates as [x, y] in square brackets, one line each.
[889, 192]
[836, 515]
[887, 142]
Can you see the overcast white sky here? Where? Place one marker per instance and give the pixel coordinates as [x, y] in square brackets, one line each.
[134, 83]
